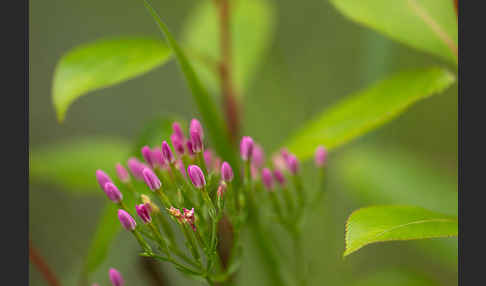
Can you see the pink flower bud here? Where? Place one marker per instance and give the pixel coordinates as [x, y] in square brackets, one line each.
[279, 176]
[321, 155]
[126, 220]
[292, 164]
[147, 156]
[102, 178]
[151, 179]
[196, 126]
[257, 158]
[115, 277]
[196, 175]
[190, 150]
[267, 178]
[112, 192]
[285, 153]
[122, 173]
[143, 211]
[167, 153]
[136, 167]
[178, 144]
[196, 141]
[227, 172]
[158, 158]
[246, 148]
[178, 131]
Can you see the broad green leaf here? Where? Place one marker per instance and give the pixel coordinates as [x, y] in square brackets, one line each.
[368, 109]
[407, 180]
[398, 277]
[106, 230]
[387, 223]
[71, 164]
[210, 112]
[102, 64]
[155, 132]
[426, 25]
[252, 26]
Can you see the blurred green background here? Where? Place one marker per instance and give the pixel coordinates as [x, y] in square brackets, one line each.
[316, 57]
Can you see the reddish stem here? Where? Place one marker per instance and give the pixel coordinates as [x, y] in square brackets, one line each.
[230, 103]
[42, 266]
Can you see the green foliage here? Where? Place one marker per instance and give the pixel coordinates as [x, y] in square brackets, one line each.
[388, 223]
[101, 64]
[210, 112]
[398, 277]
[71, 164]
[368, 109]
[426, 25]
[252, 25]
[106, 230]
[408, 179]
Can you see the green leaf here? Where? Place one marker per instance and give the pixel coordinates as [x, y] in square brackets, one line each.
[368, 109]
[388, 223]
[409, 179]
[106, 230]
[155, 131]
[426, 25]
[252, 26]
[210, 112]
[71, 164]
[101, 64]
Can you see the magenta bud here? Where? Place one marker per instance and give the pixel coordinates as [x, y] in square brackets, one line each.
[226, 172]
[136, 168]
[189, 148]
[196, 126]
[115, 277]
[148, 156]
[112, 192]
[178, 131]
[267, 178]
[279, 176]
[257, 157]
[293, 164]
[196, 141]
[126, 220]
[196, 175]
[157, 157]
[321, 155]
[102, 178]
[167, 152]
[122, 173]
[143, 211]
[151, 179]
[246, 148]
[178, 144]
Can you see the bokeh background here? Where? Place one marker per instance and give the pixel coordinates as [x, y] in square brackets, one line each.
[317, 57]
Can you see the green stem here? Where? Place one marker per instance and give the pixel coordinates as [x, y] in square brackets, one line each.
[142, 242]
[202, 163]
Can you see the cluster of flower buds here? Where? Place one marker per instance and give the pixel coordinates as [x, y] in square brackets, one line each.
[195, 197]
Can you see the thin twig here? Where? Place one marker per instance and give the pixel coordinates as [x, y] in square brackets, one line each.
[434, 26]
[41, 265]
